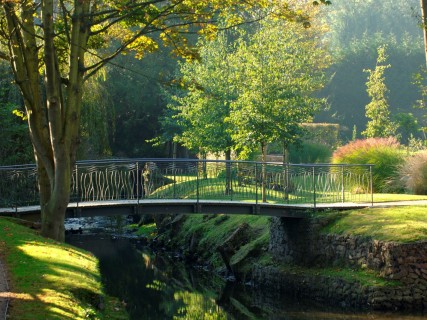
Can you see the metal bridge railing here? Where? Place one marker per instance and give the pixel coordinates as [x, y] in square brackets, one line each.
[139, 179]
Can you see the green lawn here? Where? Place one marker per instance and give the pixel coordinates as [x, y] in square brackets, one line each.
[215, 189]
[386, 197]
[51, 280]
[400, 224]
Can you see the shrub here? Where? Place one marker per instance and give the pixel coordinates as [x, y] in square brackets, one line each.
[413, 173]
[385, 154]
[310, 153]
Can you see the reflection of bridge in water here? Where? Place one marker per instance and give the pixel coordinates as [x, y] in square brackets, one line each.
[130, 186]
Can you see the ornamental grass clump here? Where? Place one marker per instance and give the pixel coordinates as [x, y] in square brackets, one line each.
[386, 154]
[413, 173]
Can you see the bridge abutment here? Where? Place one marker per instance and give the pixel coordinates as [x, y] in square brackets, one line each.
[291, 239]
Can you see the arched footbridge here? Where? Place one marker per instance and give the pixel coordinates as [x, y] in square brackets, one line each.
[156, 186]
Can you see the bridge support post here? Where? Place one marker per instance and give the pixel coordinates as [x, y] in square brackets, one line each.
[290, 239]
[77, 212]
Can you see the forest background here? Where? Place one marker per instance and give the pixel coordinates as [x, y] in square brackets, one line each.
[123, 106]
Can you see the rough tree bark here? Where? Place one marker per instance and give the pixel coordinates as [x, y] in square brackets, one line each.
[52, 105]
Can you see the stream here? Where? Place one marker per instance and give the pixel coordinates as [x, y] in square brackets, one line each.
[159, 286]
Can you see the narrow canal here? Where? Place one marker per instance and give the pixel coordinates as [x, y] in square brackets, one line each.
[158, 286]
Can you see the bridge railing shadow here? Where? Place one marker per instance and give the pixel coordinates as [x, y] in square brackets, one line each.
[140, 179]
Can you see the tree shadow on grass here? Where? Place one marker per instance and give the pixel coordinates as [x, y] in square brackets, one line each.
[59, 283]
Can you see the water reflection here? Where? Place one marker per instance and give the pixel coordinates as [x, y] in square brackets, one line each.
[157, 287]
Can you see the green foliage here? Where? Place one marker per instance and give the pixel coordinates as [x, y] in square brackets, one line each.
[97, 115]
[326, 134]
[135, 95]
[357, 29]
[243, 94]
[419, 79]
[201, 111]
[310, 153]
[385, 154]
[354, 133]
[276, 72]
[413, 173]
[377, 110]
[15, 144]
[407, 126]
[358, 26]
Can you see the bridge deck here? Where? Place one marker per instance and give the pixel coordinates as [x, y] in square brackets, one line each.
[126, 207]
[129, 207]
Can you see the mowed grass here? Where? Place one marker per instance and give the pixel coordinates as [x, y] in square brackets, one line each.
[401, 224]
[387, 197]
[51, 280]
[215, 189]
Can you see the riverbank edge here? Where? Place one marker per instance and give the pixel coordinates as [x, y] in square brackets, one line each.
[272, 277]
[338, 292]
[403, 266]
[108, 306]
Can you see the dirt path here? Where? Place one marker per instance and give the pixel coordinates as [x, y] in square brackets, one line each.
[4, 288]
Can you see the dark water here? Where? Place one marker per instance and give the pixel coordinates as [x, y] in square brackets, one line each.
[160, 287]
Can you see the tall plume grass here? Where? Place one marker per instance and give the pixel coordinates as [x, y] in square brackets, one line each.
[413, 173]
[386, 154]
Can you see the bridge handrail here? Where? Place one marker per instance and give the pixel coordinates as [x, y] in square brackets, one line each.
[134, 160]
[164, 178]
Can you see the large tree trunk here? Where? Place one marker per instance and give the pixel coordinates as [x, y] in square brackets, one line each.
[53, 210]
[52, 107]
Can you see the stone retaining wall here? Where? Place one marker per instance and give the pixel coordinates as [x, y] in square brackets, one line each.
[300, 242]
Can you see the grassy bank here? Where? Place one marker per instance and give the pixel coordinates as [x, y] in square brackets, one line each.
[400, 224]
[211, 231]
[51, 280]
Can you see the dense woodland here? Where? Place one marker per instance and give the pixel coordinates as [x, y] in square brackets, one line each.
[125, 105]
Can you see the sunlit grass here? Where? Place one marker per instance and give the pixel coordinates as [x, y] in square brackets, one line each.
[212, 231]
[146, 230]
[385, 197]
[51, 280]
[215, 189]
[401, 224]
